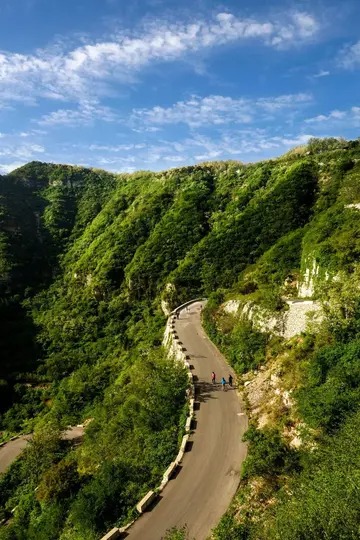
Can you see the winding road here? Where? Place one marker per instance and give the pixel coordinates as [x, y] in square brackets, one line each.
[203, 488]
[206, 482]
[11, 450]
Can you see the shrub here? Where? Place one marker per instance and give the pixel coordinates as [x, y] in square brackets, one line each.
[246, 346]
[268, 453]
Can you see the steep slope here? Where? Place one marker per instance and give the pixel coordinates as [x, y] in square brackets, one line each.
[95, 255]
[302, 393]
[41, 207]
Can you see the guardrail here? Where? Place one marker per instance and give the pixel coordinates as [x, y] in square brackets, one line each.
[175, 348]
[182, 306]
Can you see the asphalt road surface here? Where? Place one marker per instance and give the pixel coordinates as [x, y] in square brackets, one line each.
[10, 451]
[204, 486]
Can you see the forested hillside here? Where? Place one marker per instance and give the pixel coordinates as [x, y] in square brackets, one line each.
[87, 259]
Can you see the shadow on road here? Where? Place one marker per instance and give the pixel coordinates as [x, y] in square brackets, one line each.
[204, 391]
[205, 387]
[189, 446]
[176, 472]
[153, 504]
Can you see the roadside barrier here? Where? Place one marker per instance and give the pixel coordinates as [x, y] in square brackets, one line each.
[176, 350]
[111, 535]
[146, 501]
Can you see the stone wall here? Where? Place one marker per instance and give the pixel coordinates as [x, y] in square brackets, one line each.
[300, 314]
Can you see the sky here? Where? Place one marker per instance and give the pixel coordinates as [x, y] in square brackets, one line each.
[124, 85]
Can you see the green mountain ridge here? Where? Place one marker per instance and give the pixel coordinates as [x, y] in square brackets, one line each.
[87, 257]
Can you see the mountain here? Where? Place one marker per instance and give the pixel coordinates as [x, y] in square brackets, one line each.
[88, 258]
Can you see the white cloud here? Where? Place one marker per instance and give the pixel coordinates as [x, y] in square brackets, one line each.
[349, 56]
[116, 148]
[301, 27]
[288, 101]
[16, 156]
[5, 168]
[350, 117]
[85, 114]
[87, 70]
[288, 141]
[32, 133]
[320, 74]
[146, 129]
[22, 151]
[240, 144]
[218, 110]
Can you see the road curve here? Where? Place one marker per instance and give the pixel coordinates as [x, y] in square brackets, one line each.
[209, 476]
[11, 450]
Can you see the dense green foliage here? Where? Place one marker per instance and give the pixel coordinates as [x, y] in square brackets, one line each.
[312, 492]
[86, 258]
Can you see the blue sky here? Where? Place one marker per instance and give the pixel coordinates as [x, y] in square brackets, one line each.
[153, 84]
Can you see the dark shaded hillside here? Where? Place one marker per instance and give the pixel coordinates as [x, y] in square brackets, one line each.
[86, 259]
[39, 204]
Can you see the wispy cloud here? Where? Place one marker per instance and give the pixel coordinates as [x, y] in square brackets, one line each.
[5, 168]
[350, 116]
[14, 155]
[349, 56]
[88, 70]
[320, 74]
[247, 144]
[85, 114]
[218, 110]
[116, 148]
[244, 145]
[24, 151]
[302, 27]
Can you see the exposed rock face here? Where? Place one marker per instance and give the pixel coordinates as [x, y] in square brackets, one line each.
[231, 307]
[264, 320]
[165, 308]
[260, 317]
[306, 287]
[287, 324]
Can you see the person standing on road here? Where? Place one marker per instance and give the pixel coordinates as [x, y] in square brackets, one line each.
[230, 380]
[223, 384]
[213, 377]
